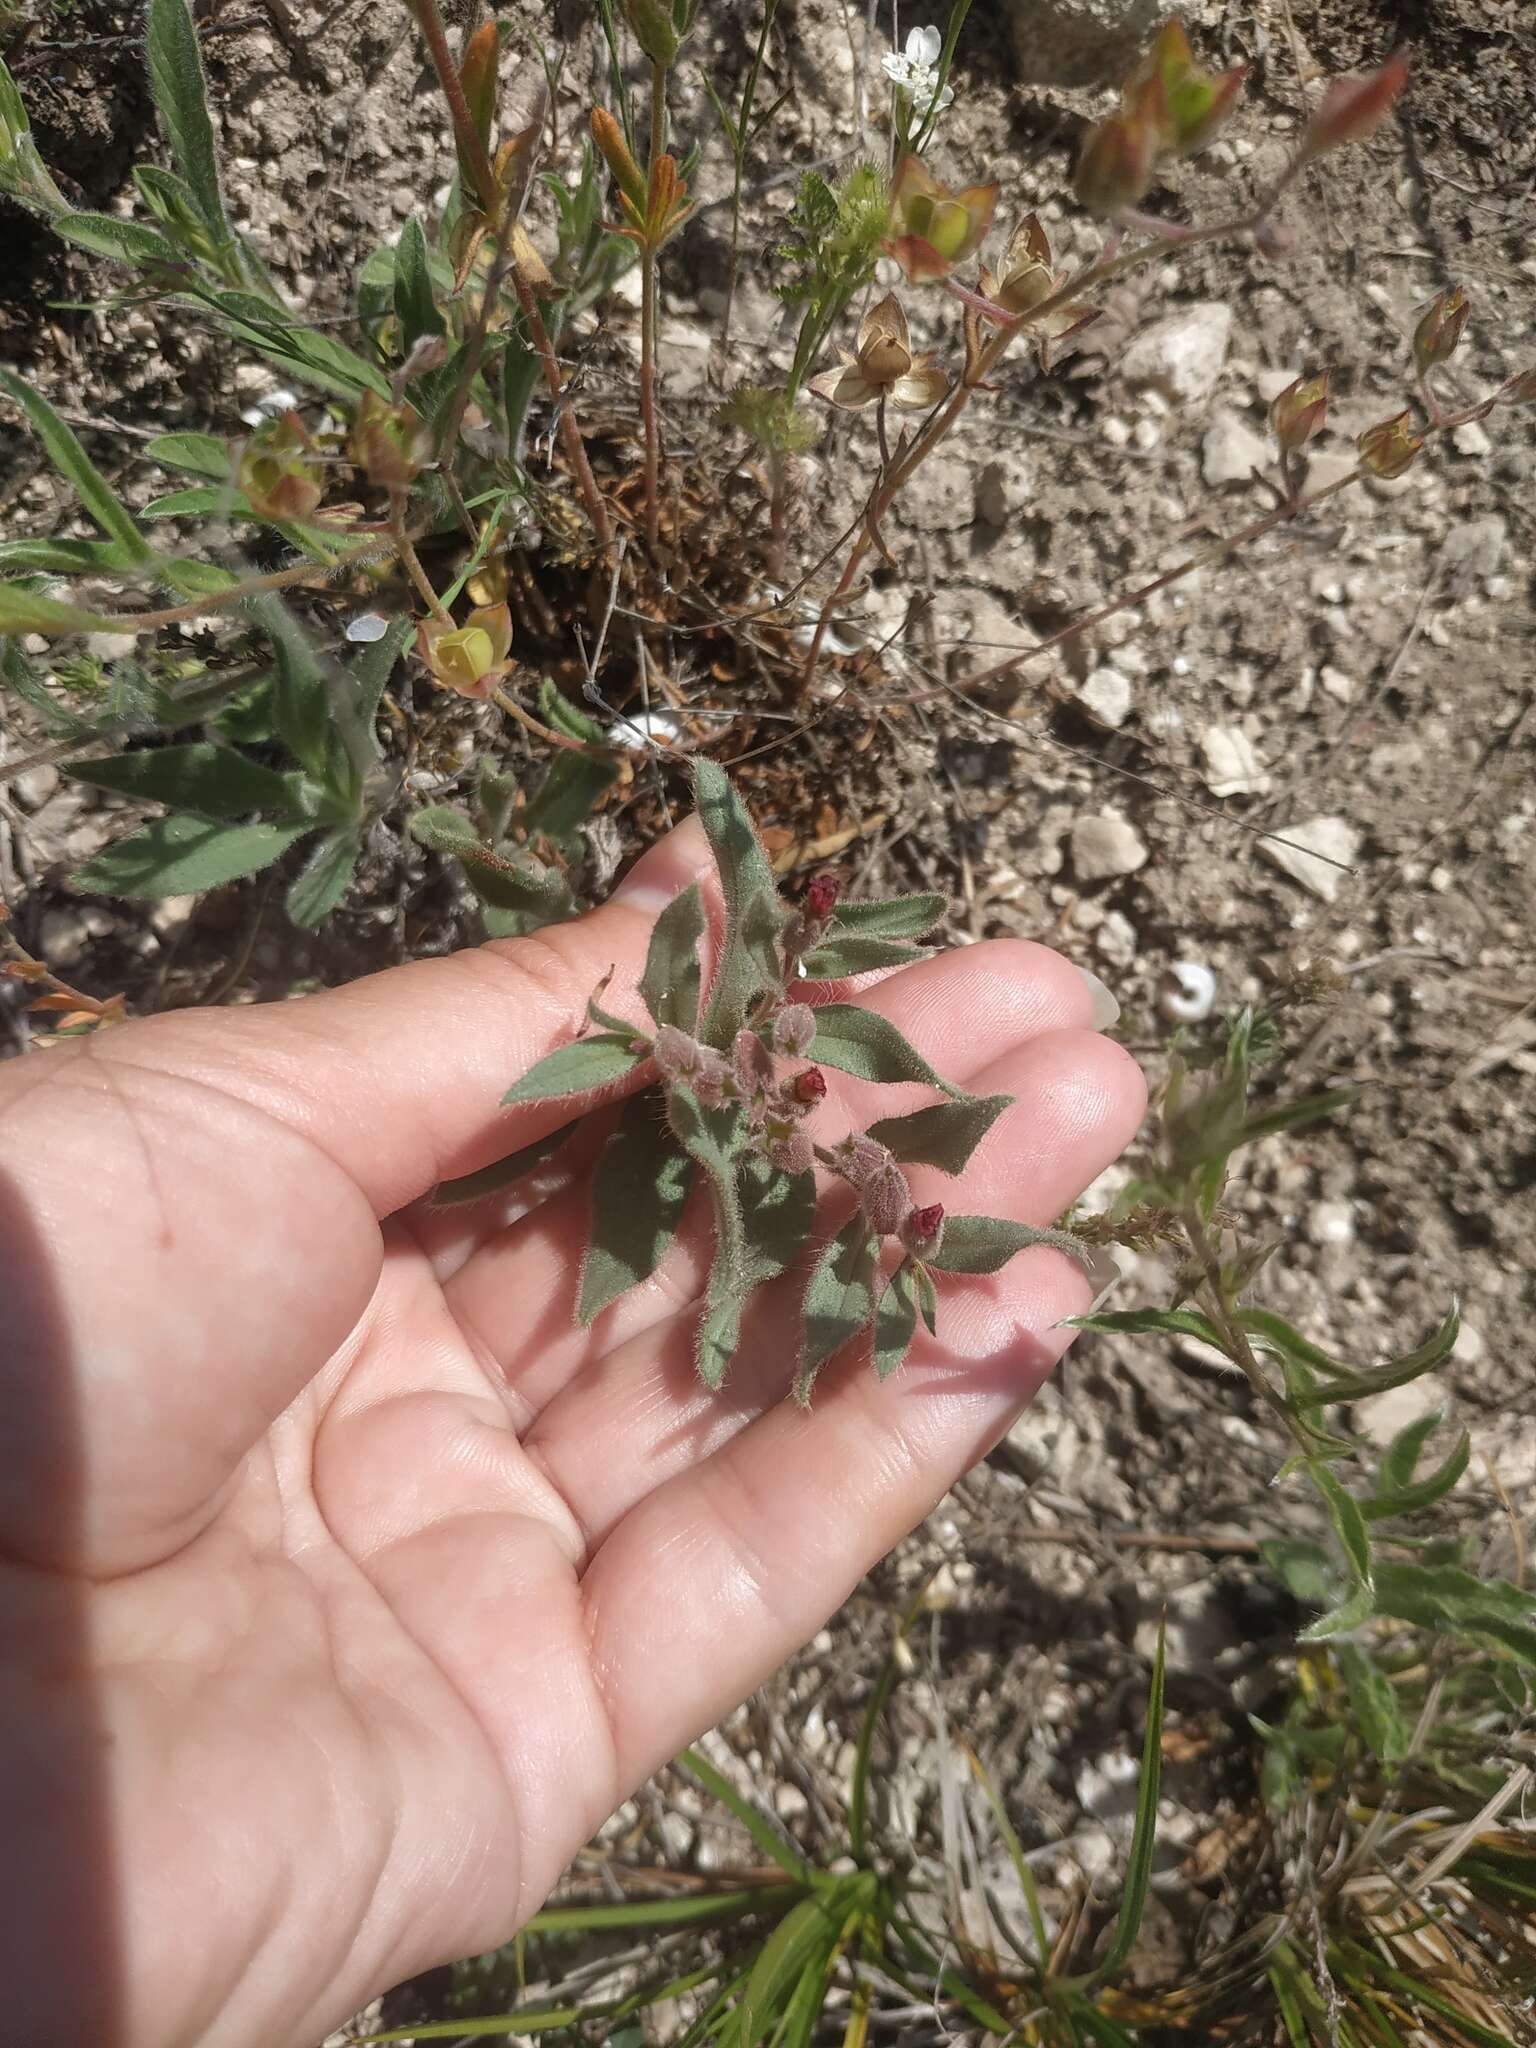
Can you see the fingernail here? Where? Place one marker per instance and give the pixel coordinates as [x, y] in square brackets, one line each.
[1106, 1010]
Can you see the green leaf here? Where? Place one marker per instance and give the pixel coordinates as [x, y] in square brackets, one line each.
[778, 1211]
[1413, 1499]
[840, 1298]
[75, 466]
[575, 1069]
[1353, 1613]
[301, 708]
[1348, 1522]
[801, 1948]
[1446, 1597]
[1273, 1333]
[943, 1135]
[503, 1173]
[640, 1189]
[670, 983]
[1150, 1322]
[374, 665]
[758, 1827]
[313, 358]
[1290, 1116]
[198, 501]
[124, 241]
[862, 1043]
[557, 710]
[321, 883]
[712, 1137]
[1303, 1568]
[749, 962]
[1411, 1366]
[927, 1298]
[1405, 1450]
[1138, 1872]
[415, 308]
[840, 959]
[1374, 1703]
[515, 883]
[181, 94]
[983, 1244]
[892, 917]
[214, 781]
[895, 1320]
[573, 786]
[179, 855]
[65, 557]
[199, 454]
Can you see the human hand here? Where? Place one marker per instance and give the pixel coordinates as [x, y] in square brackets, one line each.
[346, 1584]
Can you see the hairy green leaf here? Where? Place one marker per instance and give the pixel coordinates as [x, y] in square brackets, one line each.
[75, 466]
[943, 1135]
[927, 1297]
[1303, 1568]
[1412, 1499]
[1348, 1522]
[65, 557]
[749, 963]
[503, 1173]
[983, 1244]
[892, 917]
[840, 1298]
[670, 983]
[1151, 1322]
[1411, 1366]
[573, 785]
[197, 501]
[862, 1043]
[1290, 1116]
[1353, 1613]
[181, 94]
[711, 1137]
[1374, 1703]
[180, 855]
[1446, 1597]
[639, 1192]
[372, 668]
[777, 1212]
[301, 708]
[199, 454]
[576, 1069]
[321, 883]
[214, 781]
[838, 959]
[513, 884]
[415, 308]
[895, 1320]
[125, 241]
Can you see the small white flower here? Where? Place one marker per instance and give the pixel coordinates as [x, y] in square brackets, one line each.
[915, 71]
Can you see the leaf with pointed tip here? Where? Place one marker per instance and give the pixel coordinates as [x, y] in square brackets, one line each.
[984, 1244]
[321, 883]
[943, 1135]
[840, 1298]
[895, 1320]
[64, 557]
[513, 886]
[415, 309]
[1411, 1366]
[214, 781]
[576, 1069]
[1150, 1322]
[181, 94]
[573, 786]
[1424, 1493]
[927, 1297]
[1446, 1597]
[1138, 1873]
[201, 455]
[890, 917]
[670, 983]
[1303, 1568]
[777, 1212]
[124, 241]
[503, 1173]
[301, 707]
[749, 963]
[839, 959]
[862, 1043]
[371, 670]
[639, 1192]
[1348, 1522]
[64, 451]
[181, 855]
[1354, 1613]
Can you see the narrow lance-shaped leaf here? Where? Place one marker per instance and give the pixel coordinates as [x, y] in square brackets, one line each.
[321, 883]
[749, 964]
[839, 959]
[201, 454]
[1152, 1322]
[670, 983]
[984, 1244]
[96, 495]
[1411, 1366]
[415, 308]
[1374, 1702]
[1138, 1872]
[895, 1320]
[1414, 1498]
[180, 855]
[840, 1298]
[300, 700]
[181, 94]
[891, 917]
[639, 1192]
[215, 781]
[1348, 1522]
[943, 1135]
[863, 1043]
[577, 1069]
[503, 1173]
[124, 241]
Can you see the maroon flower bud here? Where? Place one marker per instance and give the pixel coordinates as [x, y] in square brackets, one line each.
[794, 1028]
[923, 1229]
[821, 897]
[809, 1086]
[886, 1200]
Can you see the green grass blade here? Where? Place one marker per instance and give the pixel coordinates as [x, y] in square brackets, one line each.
[695, 1910]
[1138, 1875]
[1015, 1848]
[762, 1831]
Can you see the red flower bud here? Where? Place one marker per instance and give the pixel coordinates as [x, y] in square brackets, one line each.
[821, 897]
[922, 1230]
[809, 1086]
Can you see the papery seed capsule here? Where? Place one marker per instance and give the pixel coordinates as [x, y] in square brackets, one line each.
[1388, 448]
[1438, 334]
[1299, 411]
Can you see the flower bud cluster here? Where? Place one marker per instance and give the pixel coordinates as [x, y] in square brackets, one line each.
[775, 1107]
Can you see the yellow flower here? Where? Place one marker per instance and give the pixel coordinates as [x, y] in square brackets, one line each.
[471, 658]
[883, 366]
[933, 228]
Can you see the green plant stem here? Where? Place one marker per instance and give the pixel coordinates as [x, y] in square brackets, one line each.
[649, 255]
[1233, 1334]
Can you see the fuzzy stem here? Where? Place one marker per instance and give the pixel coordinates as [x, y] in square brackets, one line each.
[1232, 1331]
[430, 22]
[547, 733]
[405, 548]
[649, 254]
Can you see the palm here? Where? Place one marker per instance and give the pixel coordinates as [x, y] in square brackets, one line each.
[377, 1582]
